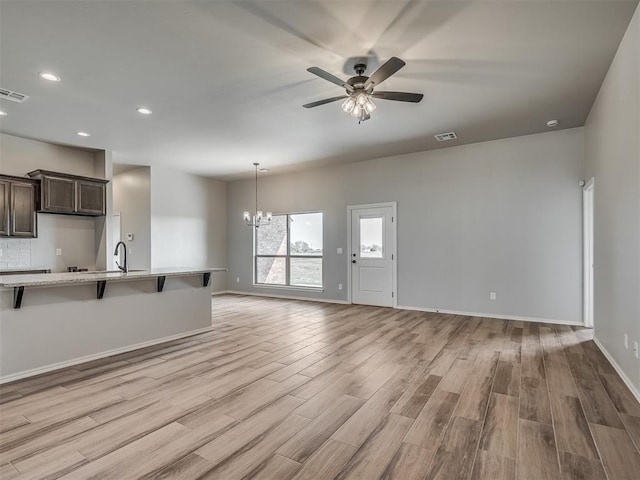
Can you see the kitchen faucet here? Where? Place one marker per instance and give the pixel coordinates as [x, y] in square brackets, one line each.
[124, 268]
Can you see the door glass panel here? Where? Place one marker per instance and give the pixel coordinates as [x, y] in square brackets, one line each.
[306, 272]
[306, 234]
[371, 235]
[271, 270]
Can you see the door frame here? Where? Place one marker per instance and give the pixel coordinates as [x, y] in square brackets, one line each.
[394, 247]
[587, 250]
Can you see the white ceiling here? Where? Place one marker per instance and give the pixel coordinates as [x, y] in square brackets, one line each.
[226, 80]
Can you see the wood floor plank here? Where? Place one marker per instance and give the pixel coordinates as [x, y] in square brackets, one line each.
[326, 462]
[190, 466]
[597, 404]
[7, 472]
[622, 398]
[534, 400]
[242, 462]
[276, 468]
[307, 441]
[632, 424]
[372, 458]
[455, 456]
[576, 467]
[357, 429]
[537, 454]
[499, 434]
[475, 398]
[571, 427]
[489, 466]
[410, 462]
[413, 400]
[619, 456]
[430, 425]
[347, 391]
[507, 380]
[245, 432]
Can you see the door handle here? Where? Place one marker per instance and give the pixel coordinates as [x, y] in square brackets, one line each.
[353, 261]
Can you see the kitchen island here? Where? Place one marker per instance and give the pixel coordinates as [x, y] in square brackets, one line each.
[51, 321]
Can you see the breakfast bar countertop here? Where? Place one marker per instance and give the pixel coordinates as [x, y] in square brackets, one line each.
[70, 278]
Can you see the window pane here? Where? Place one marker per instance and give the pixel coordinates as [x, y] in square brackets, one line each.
[306, 272]
[371, 237]
[271, 270]
[272, 238]
[306, 234]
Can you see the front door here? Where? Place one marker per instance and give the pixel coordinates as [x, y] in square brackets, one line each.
[372, 255]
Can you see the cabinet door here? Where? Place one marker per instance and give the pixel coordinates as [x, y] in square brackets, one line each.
[58, 195]
[90, 197]
[4, 208]
[23, 210]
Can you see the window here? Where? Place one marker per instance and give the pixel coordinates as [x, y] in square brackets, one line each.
[289, 251]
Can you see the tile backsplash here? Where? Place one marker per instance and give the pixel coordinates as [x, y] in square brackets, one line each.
[15, 253]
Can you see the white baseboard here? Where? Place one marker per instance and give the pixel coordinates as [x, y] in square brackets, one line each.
[69, 363]
[618, 369]
[286, 297]
[419, 309]
[493, 315]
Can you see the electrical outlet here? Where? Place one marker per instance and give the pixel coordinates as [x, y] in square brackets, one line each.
[339, 286]
[237, 279]
[58, 252]
[339, 250]
[635, 350]
[626, 341]
[492, 296]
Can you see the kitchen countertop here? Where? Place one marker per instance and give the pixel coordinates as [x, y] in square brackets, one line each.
[52, 279]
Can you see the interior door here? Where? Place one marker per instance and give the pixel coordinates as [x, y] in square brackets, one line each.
[372, 255]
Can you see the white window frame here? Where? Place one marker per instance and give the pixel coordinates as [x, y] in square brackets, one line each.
[287, 257]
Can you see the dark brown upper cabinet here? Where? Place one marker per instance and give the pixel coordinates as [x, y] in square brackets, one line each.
[18, 198]
[70, 194]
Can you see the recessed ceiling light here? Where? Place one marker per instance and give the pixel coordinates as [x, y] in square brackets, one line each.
[3, 113]
[49, 76]
[144, 111]
[84, 134]
[552, 123]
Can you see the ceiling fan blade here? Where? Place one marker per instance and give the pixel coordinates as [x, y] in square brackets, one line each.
[329, 77]
[322, 102]
[390, 67]
[399, 96]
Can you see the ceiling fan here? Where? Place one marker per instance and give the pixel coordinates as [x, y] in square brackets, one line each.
[360, 89]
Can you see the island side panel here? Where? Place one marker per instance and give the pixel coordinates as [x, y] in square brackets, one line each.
[62, 324]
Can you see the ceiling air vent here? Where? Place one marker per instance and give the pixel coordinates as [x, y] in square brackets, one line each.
[443, 137]
[13, 96]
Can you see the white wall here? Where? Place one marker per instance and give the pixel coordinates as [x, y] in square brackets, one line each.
[502, 216]
[188, 222]
[132, 200]
[76, 236]
[612, 153]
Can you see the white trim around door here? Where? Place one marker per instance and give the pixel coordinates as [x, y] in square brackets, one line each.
[587, 245]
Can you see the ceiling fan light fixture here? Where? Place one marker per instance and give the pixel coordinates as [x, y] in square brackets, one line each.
[362, 99]
[369, 106]
[348, 105]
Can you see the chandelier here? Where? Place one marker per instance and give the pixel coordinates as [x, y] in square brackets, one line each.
[257, 218]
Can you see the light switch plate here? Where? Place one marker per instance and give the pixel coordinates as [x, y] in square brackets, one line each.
[58, 252]
[339, 251]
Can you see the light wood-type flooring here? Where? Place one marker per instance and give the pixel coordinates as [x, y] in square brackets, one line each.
[285, 389]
